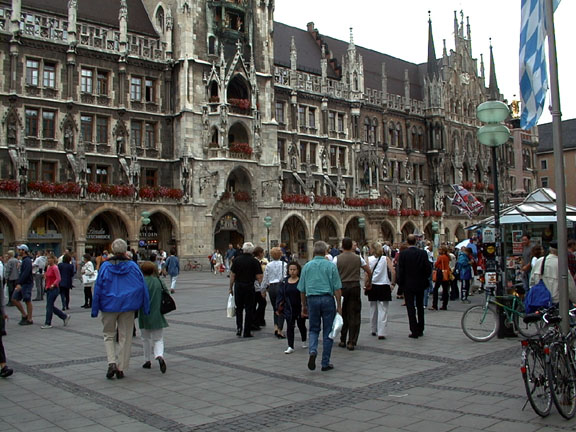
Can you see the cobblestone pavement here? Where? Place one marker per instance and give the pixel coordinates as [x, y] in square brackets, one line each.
[218, 382]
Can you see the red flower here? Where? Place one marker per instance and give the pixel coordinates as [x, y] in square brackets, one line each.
[242, 196]
[241, 148]
[9, 185]
[392, 212]
[240, 103]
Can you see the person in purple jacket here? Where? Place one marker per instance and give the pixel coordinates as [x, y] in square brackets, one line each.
[119, 291]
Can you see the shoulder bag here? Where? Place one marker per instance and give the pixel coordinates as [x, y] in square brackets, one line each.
[167, 303]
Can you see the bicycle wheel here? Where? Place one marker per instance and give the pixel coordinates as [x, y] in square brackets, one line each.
[480, 323]
[527, 330]
[562, 381]
[535, 376]
[198, 267]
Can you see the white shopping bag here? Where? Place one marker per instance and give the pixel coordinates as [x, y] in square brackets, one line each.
[336, 326]
[231, 309]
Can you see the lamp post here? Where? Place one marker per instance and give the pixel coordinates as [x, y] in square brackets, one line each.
[268, 224]
[493, 134]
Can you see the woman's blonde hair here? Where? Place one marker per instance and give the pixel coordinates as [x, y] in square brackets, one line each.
[276, 253]
[377, 249]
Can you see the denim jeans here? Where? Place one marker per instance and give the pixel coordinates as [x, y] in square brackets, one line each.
[321, 309]
[51, 296]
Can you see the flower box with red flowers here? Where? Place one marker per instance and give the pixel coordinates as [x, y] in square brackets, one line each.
[480, 186]
[243, 104]
[392, 212]
[49, 188]
[242, 196]
[241, 148]
[491, 187]
[295, 199]
[9, 185]
[467, 185]
[327, 200]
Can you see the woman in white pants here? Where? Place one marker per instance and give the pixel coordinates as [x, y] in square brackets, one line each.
[152, 325]
[383, 278]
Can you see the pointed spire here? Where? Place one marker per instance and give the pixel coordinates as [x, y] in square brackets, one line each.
[351, 45]
[493, 90]
[482, 75]
[432, 65]
[293, 55]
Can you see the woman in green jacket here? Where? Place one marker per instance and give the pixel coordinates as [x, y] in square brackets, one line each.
[152, 325]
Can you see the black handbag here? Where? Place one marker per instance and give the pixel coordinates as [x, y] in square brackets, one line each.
[167, 303]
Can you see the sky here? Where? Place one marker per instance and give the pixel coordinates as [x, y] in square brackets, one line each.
[400, 29]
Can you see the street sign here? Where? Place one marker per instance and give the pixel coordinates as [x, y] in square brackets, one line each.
[489, 235]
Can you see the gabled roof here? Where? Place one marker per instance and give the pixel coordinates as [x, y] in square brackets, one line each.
[545, 136]
[98, 12]
[309, 55]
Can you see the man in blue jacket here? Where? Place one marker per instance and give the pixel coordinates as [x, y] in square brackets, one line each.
[24, 285]
[119, 291]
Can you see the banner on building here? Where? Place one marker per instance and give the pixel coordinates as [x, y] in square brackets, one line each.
[466, 202]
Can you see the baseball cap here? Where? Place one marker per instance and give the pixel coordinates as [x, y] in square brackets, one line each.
[23, 247]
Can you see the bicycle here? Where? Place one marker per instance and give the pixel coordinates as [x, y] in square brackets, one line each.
[481, 322]
[562, 372]
[535, 365]
[192, 265]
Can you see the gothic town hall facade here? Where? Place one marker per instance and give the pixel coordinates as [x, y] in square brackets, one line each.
[209, 116]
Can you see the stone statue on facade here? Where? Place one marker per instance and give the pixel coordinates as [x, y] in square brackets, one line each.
[438, 200]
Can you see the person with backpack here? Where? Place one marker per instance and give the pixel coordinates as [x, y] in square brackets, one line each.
[546, 269]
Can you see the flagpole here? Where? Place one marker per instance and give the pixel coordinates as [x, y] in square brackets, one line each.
[559, 168]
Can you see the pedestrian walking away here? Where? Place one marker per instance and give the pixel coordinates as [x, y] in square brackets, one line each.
[119, 292]
[380, 292]
[413, 275]
[172, 267]
[319, 285]
[349, 264]
[273, 276]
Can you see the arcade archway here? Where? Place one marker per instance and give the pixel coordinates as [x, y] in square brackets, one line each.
[293, 236]
[388, 232]
[51, 231]
[354, 231]
[7, 238]
[229, 230]
[103, 229]
[407, 229]
[158, 234]
[325, 230]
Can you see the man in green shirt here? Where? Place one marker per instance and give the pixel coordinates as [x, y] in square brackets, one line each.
[319, 284]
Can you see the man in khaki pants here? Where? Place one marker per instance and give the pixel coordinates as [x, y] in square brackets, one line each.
[119, 291]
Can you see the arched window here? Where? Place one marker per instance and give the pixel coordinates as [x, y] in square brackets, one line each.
[391, 134]
[367, 130]
[355, 81]
[160, 19]
[212, 45]
[414, 139]
[374, 130]
[214, 140]
[214, 96]
[399, 137]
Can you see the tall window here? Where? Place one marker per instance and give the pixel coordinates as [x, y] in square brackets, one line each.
[31, 122]
[312, 118]
[332, 156]
[136, 132]
[49, 171]
[544, 165]
[544, 182]
[151, 177]
[49, 75]
[282, 149]
[312, 153]
[340, 122]
[150, 135]
[48, 124]
[32, 71]
[101, 174]
[150, 90]
[102, 130]
[367, 130]
[102, 83]
[331, 120]
[342, 157]
[86, 125]
[86, 80]
[33, 170]
[136, 89]
[303, 153]
[280, 113]
[301, 115]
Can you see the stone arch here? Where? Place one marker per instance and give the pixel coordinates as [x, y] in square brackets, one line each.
[7, 230]
[428, 231]
[213, 92]
[160, 18]
[238, 88]
[326, 229]
[354, 231]
[214, 138]
[103, 228]
[52, 228]
[125, 219]
[238, 134]
[165, 229]
[14, 124]
[407, 228]
[231, 225]
[388, 231]
[239, 179]
[294, 234]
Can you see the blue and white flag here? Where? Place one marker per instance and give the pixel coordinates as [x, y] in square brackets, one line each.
[533, 72]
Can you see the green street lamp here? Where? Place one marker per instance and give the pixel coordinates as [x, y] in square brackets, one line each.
[493, 134]
[268, 224]
[145, 217]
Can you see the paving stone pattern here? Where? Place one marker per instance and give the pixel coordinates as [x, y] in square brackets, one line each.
[218, 382]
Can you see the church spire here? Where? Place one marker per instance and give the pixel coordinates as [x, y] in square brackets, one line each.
[493, 90]
[351, 45]
[432, 66]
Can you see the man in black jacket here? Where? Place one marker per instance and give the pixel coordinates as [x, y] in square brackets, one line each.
[24, 285]
[413, 273]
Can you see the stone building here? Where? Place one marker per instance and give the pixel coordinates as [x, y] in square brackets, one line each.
[209, 116]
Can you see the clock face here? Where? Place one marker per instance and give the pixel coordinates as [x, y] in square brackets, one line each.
[465, 78]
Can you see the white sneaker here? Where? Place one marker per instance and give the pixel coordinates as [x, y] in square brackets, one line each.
[304, 345]
[67, 319]
[46, 326]
[289, 351]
